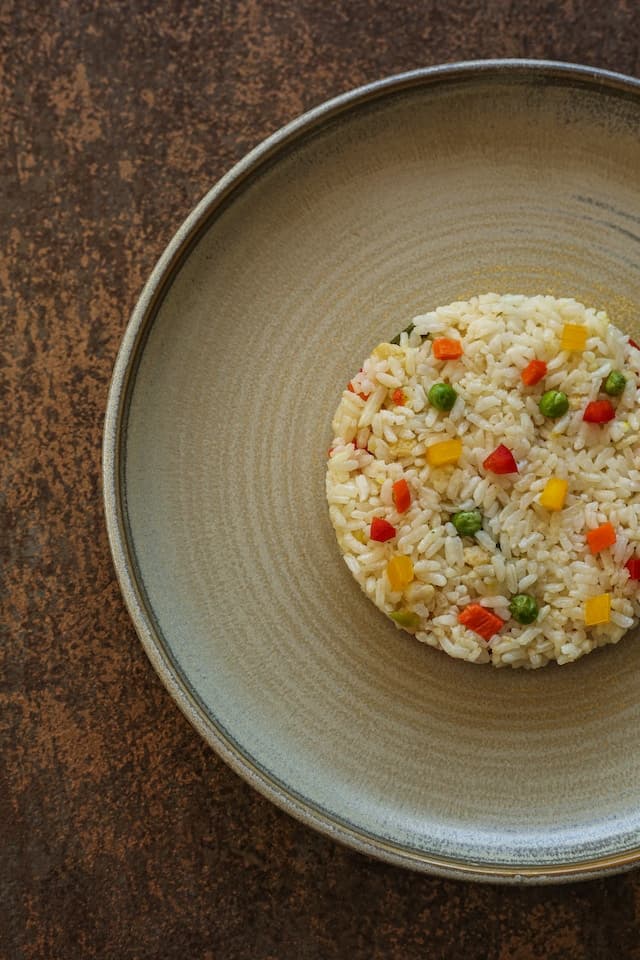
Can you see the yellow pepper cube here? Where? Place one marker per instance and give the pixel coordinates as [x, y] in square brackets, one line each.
[447, 451]
[385, 350]
[597, 610]
[574, 336]
[399, 572]
[554, 494]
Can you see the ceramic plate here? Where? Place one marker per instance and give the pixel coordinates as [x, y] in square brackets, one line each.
[513, 177]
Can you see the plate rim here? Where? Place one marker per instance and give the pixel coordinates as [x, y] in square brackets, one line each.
[114, 490]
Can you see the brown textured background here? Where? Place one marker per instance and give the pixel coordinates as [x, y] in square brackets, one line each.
[121, 833]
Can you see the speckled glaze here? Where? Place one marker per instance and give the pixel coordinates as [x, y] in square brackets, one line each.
[425, 188]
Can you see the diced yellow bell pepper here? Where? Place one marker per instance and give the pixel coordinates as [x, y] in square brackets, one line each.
[385, 350]
[400, 572]
[400, 449]
[574, 336]
[554, 494]
[597, 610]
[447, 451]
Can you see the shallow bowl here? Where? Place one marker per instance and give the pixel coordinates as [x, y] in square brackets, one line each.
[507, 176]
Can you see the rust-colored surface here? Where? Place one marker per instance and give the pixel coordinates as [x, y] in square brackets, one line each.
[121, 833]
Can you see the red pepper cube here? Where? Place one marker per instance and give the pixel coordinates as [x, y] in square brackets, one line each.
[599, 411]
[381, 530]
[398, 397]
[501, 461]
[401, 495]
[633, 566]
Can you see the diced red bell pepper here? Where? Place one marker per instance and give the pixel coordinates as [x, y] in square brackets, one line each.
[482, 621]
[398, 397]
[634, 344]
[533, 373]
[599, 411]
[501, 461]
[633, 566]
[401, 495]
[381, 530]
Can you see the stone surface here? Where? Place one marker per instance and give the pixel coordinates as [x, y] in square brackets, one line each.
[122, 834]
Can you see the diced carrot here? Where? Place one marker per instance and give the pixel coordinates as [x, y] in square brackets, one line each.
[398, 397]
[533, 373]
[443, 348]
[401, 495]
[602, 537]
[363, 396]
[381, 530]
[482, 621]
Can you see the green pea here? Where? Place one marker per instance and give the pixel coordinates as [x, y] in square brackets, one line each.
[554, 404]
[467, 522]
[615, 383]
[408, 330]
[442, 396]
[406, 618]
[523, 608]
